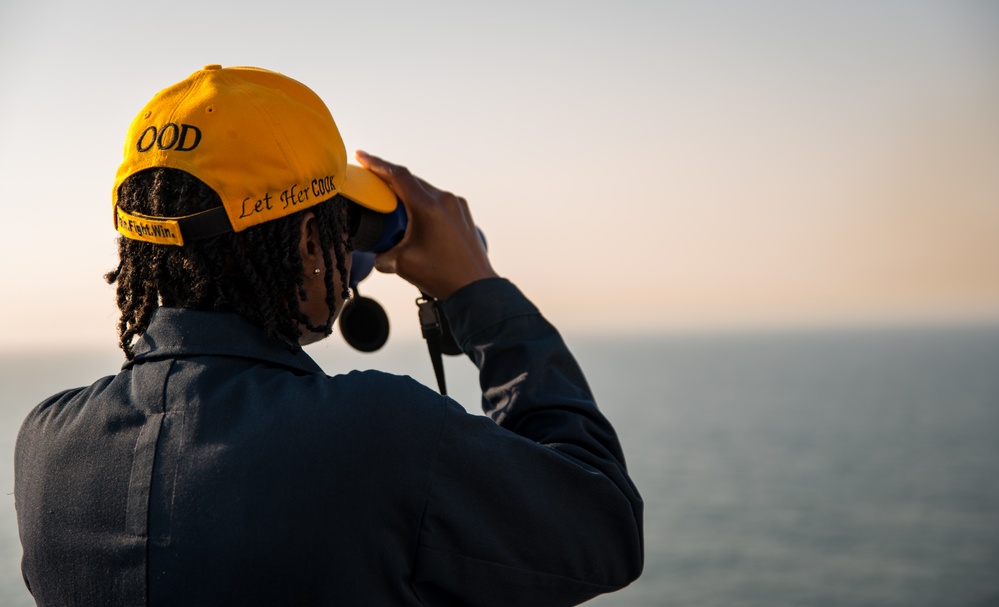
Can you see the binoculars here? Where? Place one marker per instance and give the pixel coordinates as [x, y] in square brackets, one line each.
[363, 322]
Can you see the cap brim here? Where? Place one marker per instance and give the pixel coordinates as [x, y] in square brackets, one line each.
[368, 190]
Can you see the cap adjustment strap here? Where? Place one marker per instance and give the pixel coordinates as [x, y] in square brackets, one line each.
[172, 230]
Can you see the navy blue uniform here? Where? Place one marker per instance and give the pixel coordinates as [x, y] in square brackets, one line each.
[220, 468]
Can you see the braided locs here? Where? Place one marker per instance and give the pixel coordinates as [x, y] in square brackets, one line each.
[256, 273]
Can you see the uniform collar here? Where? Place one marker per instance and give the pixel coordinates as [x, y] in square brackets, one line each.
[177, 332]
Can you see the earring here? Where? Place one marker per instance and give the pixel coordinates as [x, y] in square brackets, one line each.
[316, 272]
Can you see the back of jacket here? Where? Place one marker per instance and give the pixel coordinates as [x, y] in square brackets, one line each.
[220, 469]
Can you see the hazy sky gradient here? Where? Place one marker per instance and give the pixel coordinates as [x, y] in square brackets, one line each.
[635, 165]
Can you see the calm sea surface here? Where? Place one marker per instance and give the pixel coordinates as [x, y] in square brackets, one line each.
[856, 468]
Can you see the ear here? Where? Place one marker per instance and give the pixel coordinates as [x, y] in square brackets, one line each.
[308, 245]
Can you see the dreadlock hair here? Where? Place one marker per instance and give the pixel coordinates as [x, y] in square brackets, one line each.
[256, 273]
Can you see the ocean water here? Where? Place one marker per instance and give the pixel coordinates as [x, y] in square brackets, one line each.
[838, 468]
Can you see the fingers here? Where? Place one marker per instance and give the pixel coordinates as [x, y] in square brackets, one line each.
[406, 185]
[414, 190]
[441, 250]
[420, 197]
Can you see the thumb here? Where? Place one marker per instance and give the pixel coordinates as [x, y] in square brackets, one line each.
[386, 262]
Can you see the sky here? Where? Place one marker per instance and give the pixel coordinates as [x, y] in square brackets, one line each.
[637, 167]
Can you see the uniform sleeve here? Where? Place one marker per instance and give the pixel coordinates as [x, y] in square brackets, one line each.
[535, 506]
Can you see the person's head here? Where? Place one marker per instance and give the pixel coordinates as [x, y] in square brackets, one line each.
[233, 197]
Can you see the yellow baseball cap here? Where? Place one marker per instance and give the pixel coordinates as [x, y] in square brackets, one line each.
[265, 143]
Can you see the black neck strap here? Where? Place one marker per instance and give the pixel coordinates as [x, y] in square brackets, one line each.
[430, 322]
